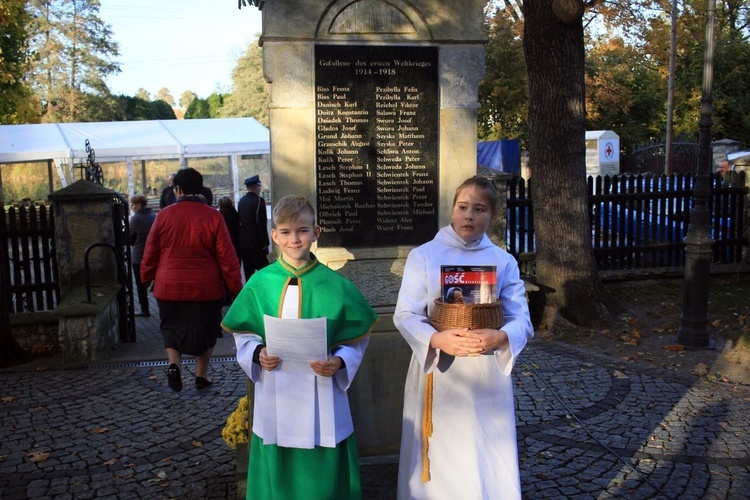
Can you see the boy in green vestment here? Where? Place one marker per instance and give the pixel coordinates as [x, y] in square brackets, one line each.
[302, 444]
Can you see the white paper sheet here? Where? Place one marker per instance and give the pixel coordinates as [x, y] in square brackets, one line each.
[297, 342]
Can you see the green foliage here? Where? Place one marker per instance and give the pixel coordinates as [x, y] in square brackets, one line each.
[198, 109]
[135, 108]
[210, 107]
[215, 102]
[74, 54]
[250, 94]
[624, 93]
[163, 111]
[16, 105]
[503, 93]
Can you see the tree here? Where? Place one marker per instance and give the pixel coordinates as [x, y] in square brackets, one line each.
[164, 95]
[16, 105]
[250, 95]
[74, 54]
[624, 92]
[198, 109]
[215, 103]
[142, 93]
[503, 92]
[554, 49]
[135, 108]
[186, 98]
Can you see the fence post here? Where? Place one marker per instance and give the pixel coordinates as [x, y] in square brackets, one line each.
[744, 166]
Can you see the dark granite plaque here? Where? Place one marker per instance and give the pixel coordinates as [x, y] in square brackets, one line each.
[376, 144]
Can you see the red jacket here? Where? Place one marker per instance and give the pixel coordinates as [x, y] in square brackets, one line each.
[189, 254]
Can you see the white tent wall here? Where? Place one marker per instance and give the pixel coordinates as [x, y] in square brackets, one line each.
[126, 142]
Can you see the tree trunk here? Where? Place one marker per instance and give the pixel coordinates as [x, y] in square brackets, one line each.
[557, 123]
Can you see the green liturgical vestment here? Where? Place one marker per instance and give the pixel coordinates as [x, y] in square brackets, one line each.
[302, 444]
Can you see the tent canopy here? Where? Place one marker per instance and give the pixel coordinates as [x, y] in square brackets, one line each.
[134, 140]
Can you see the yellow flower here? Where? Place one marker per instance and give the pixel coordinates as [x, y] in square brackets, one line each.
[237, 428]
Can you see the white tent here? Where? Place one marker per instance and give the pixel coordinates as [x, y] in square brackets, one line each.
[65, 143]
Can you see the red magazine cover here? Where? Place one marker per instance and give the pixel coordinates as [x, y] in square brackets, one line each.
[469, 284]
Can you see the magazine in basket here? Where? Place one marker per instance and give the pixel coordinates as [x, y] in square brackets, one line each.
[469, 284]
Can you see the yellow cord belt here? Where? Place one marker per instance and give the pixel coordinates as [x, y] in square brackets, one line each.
[426, 428]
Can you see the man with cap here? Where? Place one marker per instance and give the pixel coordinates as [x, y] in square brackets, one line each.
[253, 228]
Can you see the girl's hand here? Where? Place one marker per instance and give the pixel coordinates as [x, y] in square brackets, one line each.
[267, 362]
[456, 342]
[489, 339]
[326, 368]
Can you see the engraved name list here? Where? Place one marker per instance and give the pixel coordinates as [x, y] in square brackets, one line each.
[376, 144]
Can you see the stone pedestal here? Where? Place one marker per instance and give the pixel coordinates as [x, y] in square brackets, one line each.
[84, 215]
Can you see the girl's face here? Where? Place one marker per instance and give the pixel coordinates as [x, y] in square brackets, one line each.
[471, 214]
[296, 238]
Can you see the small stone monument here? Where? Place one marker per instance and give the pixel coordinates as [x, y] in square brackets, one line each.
[373, 117]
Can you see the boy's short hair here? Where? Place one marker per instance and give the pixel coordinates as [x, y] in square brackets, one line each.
[289, 208]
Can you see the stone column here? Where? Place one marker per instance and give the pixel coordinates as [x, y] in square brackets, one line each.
[83, 215]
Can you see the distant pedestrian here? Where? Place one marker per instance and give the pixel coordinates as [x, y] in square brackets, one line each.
[727, 174]
[253, 228]
[139, 227]
[232, 220]
[190, 257]
[167, 194]
[208, 194]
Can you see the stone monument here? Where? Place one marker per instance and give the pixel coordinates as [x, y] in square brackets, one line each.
[373, 117]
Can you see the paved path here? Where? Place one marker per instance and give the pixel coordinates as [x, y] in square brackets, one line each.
[589, 426]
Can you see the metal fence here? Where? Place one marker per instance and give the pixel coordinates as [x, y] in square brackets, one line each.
[637, 222]
[27, 236]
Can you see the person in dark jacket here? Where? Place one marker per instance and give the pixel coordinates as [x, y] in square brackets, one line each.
[232, 220]
[139, 227]
[253, 228]
[190, 257]
[167, 194]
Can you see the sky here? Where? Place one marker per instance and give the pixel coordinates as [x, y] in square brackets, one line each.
[178, 44]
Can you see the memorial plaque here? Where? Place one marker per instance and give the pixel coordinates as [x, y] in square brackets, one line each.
[376, 144]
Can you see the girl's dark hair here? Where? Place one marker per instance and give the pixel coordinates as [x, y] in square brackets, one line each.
[189, 180]
[484, 184]
[225, 203]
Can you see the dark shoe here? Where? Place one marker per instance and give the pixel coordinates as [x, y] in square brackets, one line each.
[143, 314]
[202, 383]
[174, 377]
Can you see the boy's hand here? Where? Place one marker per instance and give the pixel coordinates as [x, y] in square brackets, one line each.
[267, 362]
[456, 342]
[326, 368]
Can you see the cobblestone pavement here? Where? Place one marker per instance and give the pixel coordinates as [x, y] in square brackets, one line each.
[589, 426]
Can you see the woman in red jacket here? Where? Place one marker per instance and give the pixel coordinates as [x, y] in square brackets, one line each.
[191, 260]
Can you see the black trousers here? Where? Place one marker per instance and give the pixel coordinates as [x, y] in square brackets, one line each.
[253, 259]
[140, 288]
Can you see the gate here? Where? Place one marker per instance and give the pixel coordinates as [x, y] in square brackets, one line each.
[651, 158]
[27, 234]
[121, 225]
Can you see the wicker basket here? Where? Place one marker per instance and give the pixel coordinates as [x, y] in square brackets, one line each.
[472, 316]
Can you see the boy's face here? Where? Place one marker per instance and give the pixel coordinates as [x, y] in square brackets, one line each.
[295, 239]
